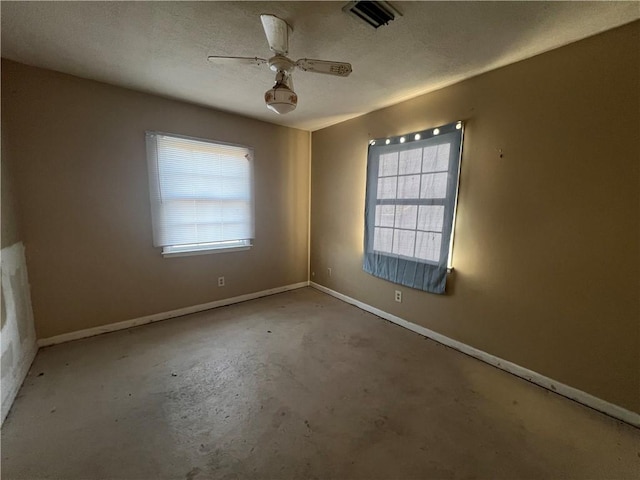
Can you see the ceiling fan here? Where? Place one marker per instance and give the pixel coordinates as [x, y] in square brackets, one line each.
[281, 98]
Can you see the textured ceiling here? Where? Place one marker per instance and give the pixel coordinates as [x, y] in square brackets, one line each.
[162, 47]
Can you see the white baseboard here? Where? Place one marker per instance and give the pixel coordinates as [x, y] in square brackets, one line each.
[156, 317]
[585, 398]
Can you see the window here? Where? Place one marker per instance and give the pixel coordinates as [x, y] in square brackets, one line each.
[412, 184]
[201, 194]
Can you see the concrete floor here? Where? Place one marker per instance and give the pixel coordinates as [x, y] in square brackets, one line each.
[292, 386]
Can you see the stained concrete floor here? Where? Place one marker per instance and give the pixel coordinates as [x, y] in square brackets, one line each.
[295, 386]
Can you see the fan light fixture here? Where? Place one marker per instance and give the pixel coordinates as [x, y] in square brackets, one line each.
[281, 98]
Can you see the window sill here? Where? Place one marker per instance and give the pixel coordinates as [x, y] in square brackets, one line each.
[203, 251]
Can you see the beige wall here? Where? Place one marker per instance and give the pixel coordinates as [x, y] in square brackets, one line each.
[546, 250]
[77, 149]
[11, 232]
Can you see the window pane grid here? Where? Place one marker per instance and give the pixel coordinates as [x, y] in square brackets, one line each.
[406, 179]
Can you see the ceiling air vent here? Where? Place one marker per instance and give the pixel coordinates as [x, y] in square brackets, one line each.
[375, 14]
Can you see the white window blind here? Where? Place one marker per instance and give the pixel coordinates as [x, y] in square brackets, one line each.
[201, 193]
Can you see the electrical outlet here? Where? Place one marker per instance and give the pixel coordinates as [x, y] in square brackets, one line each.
[398, 296]
[329, 271]
[221, 281]
[313, 274]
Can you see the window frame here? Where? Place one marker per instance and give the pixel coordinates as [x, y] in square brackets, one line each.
[201, 248]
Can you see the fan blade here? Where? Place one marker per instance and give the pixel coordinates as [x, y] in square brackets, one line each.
[277, 32]
[340, 69]
[237, 60]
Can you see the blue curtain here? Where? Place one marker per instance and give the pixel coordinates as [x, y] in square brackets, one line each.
[412, 184]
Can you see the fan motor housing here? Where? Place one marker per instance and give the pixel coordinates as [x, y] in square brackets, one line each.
[280, 63]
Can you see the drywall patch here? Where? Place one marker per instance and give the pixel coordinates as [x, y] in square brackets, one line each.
[3, 310]
[7, 360]
[17, 334]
